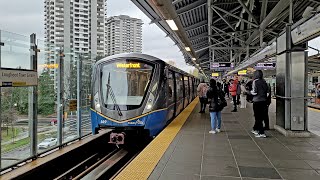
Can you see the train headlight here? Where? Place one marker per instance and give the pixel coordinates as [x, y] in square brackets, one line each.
[149, 103]
[97, 105]
[149, 106]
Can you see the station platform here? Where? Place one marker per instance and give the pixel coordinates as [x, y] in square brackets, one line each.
[234, 153]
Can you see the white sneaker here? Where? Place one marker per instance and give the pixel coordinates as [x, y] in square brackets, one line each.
[260, 136]
[254, 132]
[212, 132]
[218, 130]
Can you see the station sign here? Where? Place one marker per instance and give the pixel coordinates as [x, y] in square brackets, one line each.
[262, 66]
[243, 72]
[18, 78]
[307, 30]
[222, 66]
[215, 75]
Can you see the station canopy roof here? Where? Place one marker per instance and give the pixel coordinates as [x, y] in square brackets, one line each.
[232, 29]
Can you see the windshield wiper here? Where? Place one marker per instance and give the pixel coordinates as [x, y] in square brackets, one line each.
[113, 97]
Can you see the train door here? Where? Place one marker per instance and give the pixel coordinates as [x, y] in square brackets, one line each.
[190, 89]
[179, 92]
[186, 91]
[171, 97]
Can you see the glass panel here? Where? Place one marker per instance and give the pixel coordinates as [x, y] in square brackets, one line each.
[47, 115]
[15, 143]
[87, 64]
[125, 83]
[15, 52]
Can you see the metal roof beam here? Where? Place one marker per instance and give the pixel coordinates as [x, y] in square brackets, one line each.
[248, 11]
[190, 6]
[263, 10]
[281, 5]
[227, 33]
[230, 14]
[223, 18]
[202, 35]
[196, 25]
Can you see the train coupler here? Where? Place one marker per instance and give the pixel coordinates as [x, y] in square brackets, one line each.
[117, 138]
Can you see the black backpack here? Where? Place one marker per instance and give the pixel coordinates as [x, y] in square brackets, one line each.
[249, 88]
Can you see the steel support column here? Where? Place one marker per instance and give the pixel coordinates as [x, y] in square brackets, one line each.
[33, 98]
[79, 95]
[1, 44]
[292, 73]
[60, 93]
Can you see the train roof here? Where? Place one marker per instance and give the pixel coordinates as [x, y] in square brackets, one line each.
[143, 56]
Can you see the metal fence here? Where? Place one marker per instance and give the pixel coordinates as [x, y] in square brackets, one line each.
[37, 119]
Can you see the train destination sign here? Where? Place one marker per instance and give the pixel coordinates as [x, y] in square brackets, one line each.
[221, 66]
[265, 66]
[17, 78]
[129, 65]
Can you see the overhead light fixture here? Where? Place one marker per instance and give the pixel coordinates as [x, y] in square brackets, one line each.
[193, 59]
[172, 25]
[187, 49]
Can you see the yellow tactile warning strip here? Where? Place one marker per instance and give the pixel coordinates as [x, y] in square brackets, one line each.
[142, 166]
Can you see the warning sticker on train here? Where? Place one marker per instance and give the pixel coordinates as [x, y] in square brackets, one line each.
[17, 78]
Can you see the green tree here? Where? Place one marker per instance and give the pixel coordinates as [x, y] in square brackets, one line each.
[46, 95]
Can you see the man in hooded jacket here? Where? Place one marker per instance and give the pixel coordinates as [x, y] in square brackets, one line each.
[260, 94]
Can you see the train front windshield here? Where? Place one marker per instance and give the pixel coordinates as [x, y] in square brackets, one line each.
[124, 84]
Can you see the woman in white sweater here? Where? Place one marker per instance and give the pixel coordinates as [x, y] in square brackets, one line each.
[243, 95]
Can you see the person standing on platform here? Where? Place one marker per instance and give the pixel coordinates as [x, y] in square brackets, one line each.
[243, 95]
[202, 92]
[238, 93]
[260, 93]
[233, 92]
[266, 121]
[217, 103]
[225, 88]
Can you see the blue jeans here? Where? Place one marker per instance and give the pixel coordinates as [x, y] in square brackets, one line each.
[215, 116]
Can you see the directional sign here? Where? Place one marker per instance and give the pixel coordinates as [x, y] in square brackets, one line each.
[18, 78]
[221, 66]
[265, 66]
[72, 105]
[307, 30]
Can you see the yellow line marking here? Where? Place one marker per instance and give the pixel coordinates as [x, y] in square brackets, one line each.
[142, 166]
[314, 109]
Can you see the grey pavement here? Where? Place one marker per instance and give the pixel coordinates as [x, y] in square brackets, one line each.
[235, 153]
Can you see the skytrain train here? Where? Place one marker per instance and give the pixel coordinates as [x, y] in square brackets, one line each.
[137, 95]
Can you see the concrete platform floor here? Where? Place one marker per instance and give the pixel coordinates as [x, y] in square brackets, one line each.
[235, 153]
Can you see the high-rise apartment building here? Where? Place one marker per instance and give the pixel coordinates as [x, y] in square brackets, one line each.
[77, 26]
[123, 35]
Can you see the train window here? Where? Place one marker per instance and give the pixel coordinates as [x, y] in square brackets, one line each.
[179, 84]
[171, 87]
[186, 86]
[125, 83]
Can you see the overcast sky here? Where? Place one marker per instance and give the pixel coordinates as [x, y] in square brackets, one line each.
[27, 16]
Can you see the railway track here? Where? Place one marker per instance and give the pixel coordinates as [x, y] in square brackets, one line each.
[101, 166]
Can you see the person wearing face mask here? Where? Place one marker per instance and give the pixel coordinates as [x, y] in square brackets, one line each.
[233, 92]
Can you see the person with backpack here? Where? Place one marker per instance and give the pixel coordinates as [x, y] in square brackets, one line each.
[233, 92]
[202, 93]
[216, 105]
[259, 91]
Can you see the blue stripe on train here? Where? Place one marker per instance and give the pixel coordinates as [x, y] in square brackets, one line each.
[154, 122]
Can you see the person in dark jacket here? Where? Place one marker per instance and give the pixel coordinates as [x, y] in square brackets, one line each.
[238, 93]
[214, 94]
[225, 87]
[259, 91]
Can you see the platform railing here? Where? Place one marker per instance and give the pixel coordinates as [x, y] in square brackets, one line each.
[17, 117]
